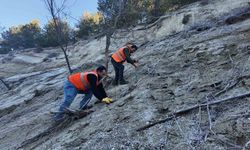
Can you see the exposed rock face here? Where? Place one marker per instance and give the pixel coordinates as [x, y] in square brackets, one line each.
[182, 63]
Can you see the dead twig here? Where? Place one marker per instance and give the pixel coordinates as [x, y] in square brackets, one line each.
[225, 141]
[209, 115]
[200, 119]
[182, 134]
[186, 110]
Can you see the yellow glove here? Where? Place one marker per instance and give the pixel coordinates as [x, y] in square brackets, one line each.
[107, 100]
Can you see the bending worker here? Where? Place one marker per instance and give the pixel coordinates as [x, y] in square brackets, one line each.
[119, 57]
[87, 83]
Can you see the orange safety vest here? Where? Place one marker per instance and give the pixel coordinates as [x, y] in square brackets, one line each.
[80, 80]
[119, 55]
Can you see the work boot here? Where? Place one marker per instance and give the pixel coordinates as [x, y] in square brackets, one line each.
[122, 82]
[85, 107]
[115, 83]
[59, 117]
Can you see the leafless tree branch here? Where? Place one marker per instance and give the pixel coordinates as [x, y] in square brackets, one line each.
[55, 12]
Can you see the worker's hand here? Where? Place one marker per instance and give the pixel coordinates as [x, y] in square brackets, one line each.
[136, 65]
[107, 100]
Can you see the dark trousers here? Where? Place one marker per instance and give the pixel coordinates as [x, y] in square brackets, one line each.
[119, 68]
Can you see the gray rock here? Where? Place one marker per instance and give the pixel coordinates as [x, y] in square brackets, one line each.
[177, 71]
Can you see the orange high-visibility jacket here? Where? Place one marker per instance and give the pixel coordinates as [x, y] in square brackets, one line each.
[80, 80]
[119, 55]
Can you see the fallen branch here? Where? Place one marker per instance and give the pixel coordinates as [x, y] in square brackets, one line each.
[186, 110]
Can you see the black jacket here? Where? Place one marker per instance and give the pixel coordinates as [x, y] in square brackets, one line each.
[127, 55]
[98, 91]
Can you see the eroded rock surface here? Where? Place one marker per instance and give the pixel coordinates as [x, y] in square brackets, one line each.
[182, 64]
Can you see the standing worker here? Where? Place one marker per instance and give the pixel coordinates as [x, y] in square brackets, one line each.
[87, 83]
[119, 57]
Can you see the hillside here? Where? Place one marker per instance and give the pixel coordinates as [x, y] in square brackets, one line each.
[193, 56]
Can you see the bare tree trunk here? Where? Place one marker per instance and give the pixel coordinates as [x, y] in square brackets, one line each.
[67, 59]
[156, 11]
[58, 28]
[7, 86]
[108, 36]
[121, 3]
[111, 31]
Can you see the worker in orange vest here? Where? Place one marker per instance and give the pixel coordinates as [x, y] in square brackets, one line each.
[119, 57]
[87, 83]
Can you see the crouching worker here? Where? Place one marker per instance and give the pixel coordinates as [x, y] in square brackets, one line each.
[87, 83]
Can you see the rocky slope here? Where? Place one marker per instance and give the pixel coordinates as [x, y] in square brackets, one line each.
[196, 55]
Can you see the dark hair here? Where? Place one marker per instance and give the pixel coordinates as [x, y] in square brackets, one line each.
[101, 68]
[134, 46]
